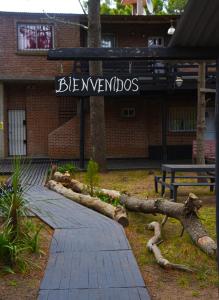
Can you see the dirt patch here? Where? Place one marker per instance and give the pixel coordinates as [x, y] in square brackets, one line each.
[26, 286]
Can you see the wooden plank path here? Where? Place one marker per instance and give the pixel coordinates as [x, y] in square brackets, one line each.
[90, 256]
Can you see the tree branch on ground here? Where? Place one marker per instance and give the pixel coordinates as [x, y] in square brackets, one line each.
[186, 213]
[152, 245]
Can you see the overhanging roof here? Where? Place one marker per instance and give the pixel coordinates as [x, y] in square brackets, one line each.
[198, 26]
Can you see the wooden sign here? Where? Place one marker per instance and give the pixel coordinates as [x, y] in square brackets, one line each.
[96, 86]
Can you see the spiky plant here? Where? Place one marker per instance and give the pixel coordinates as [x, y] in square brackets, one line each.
[12, 202]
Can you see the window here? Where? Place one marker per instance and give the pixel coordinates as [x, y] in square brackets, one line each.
[156, 41]
[182, 119]
[128, 112]
[35, 36]
[108, 41]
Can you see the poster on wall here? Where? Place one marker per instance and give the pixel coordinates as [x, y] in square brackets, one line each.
[96, 85]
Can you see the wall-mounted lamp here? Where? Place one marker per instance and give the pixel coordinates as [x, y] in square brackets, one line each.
[178, 81]
[171, 30]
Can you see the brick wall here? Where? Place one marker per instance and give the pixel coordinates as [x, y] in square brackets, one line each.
[126, 137]
[20, 64]
[41, 106]
[46, 133]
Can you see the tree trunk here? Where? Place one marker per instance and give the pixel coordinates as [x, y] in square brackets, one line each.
[185, 213]
[79, 187]
[117, 213]
[201, 107]
[97, 118]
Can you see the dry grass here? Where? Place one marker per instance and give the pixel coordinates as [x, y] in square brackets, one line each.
[169, 284]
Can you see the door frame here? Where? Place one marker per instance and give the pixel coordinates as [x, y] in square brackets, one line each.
[23, 109]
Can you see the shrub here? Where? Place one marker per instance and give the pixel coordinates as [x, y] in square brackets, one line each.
[106, 198]
[69, 167]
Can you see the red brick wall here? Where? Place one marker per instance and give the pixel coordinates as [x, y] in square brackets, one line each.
[42, 118]
[124, 137]
[41, 107]
[64, 141]
[45, 136]
[18, 64]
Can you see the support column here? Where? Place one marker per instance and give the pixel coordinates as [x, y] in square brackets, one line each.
[82, 129]
[2, 125]
[217, 157]
[164, 130]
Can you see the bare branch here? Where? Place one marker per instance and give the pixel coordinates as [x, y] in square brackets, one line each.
[82, 7]
[59, 20]
[152, 245]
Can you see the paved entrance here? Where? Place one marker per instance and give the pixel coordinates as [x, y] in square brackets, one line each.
[90, 256]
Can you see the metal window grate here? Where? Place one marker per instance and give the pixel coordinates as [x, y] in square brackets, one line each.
[182, 119]
[35, 36]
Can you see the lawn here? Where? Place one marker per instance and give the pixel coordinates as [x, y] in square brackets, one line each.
[163, 284]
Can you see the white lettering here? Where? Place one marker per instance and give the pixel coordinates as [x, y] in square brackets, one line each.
[135, 84]
[94, 85]
[120, 85]
[100, 86]
[127, 85]
[85, 84]
[63, 86]
[75, 87]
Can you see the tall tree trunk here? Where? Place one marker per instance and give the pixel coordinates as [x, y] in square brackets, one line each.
[201, 108]
[97, 119]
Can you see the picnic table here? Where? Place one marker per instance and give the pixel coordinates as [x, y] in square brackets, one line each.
[208, 170]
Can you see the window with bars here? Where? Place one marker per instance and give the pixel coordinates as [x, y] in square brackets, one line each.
[128, 112]
[108, 41]
[35, 36]
[182, 119]
[155, 41]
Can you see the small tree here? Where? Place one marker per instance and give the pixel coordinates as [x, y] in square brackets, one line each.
[92, 176]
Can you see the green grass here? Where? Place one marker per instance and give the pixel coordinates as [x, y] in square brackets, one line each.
[176, 249]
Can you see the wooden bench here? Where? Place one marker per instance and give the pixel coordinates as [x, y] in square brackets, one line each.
[158, 180]
[174, 186]
[209, 149]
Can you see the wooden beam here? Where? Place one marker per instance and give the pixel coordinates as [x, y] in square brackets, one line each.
[204, 90]
[181, 53]
[217, 157]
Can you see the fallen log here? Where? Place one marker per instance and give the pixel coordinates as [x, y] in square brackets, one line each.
[79, 187]
[152, 246]
[186, 213]
[117, 213]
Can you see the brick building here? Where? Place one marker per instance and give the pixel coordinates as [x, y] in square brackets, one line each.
[37, 123]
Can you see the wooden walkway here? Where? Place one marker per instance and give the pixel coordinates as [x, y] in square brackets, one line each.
[90, 256]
